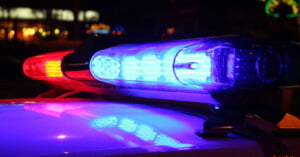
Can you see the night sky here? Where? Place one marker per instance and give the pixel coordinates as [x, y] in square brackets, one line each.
[148, 18]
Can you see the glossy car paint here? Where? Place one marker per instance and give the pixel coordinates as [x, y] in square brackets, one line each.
[101, 128]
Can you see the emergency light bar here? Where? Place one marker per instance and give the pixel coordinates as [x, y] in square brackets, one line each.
[193, 70]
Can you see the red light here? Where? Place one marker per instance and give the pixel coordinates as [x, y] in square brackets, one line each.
[53, 69]
[46, 66]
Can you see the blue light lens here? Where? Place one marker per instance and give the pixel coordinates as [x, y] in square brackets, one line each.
[107, 67]
[189, 65]
[186, 64]
[230, 65]
[193, 66]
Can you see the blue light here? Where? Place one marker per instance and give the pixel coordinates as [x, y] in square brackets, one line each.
[216, 107]
[193, 69]
[140, 130]
[145, 132]
[119, 28]
[119, 137]
[127, 125]
[107, 67]
[230, 65]
[194, 66]
[186, 64]
[104, 122]
[150, 68]
[164, 140]
[130, 68]
[101, 31]
[96, 123]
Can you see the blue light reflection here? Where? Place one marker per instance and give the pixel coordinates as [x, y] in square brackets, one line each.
[127, 125]
[110, 121]
[138, 129]
[164, 140]
[145, 132]
[94, 126]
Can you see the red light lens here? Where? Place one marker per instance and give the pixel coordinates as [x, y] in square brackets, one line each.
[46, 66]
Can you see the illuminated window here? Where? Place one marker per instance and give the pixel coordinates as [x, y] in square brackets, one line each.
[27, 13]
[23, 13]
[89, 15]
[3, 12]
[62, 15]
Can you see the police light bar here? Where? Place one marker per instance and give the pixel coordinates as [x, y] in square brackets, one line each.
[184, 70]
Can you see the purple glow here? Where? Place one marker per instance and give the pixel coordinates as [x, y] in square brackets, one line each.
[62, 136]
[54, 109]
[58, 107]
